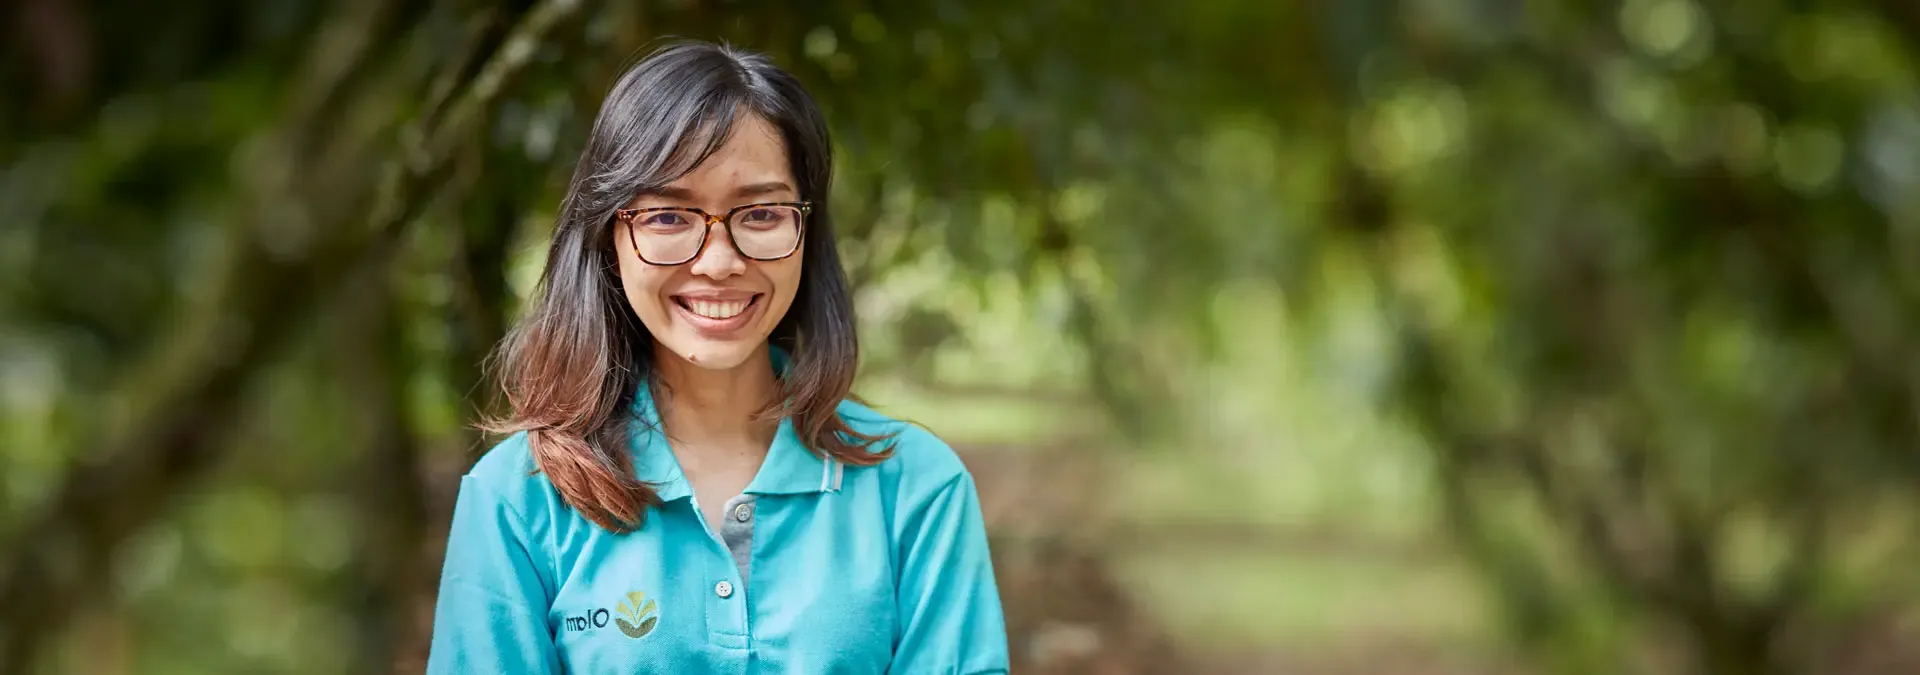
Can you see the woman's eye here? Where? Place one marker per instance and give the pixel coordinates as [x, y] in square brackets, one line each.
[761, 215]
[668, 219]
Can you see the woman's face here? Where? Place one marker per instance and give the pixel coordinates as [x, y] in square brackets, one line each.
[716, 310]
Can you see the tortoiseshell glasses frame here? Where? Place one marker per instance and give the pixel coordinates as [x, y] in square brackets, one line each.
[707, 221]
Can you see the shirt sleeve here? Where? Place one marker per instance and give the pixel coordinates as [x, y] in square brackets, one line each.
[949, 605]
[491, 613]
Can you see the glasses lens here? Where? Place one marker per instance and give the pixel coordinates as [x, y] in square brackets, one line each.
[767, 231]
[666, 237]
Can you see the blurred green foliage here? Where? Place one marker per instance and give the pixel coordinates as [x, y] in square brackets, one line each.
[1611, 305]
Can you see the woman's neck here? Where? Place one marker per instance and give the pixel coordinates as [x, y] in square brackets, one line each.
[703, 406]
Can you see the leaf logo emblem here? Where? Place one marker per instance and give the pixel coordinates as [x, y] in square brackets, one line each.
[637, 615]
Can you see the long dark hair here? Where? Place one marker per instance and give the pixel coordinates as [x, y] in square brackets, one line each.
[571, 367]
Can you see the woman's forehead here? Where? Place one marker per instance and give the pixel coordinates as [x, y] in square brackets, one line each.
[751, 162]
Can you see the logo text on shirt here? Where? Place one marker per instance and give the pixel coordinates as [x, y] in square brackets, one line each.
[638, 616]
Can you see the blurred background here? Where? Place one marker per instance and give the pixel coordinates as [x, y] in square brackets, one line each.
[1517, 337]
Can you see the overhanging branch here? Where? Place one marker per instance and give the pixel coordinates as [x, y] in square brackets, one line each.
[121, 486]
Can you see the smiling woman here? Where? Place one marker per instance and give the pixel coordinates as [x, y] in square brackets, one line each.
[689, 437]
[729, 301]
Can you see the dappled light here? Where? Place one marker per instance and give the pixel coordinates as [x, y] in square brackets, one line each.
[1397, 337]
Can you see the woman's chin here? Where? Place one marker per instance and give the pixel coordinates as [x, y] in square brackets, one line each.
[715, 354]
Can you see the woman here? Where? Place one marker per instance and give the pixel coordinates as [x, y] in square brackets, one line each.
[686, 488]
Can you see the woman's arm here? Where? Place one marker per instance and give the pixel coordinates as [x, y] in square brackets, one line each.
[950, 616]
[491, 615]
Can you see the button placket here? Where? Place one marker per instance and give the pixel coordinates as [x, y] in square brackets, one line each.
[736, 534]
[728, 623]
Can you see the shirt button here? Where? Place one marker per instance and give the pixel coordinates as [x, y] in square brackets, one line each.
[723, 589]
[742, 512]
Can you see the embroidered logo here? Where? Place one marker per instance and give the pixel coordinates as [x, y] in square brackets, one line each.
[637, 615]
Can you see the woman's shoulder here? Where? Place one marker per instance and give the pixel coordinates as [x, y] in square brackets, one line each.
[507, 472]
[919, 455]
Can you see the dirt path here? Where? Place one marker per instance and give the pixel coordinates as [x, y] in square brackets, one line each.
[1068, 613]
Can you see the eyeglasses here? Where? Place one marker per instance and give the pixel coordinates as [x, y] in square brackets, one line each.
[675, 235]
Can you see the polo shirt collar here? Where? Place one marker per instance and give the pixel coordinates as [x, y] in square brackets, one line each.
[789, 468]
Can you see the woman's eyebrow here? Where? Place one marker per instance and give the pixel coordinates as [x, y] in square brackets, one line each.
[747, 191]
[666, 192]
[759, 189]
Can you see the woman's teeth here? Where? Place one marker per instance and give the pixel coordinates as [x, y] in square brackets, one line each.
[717, 309]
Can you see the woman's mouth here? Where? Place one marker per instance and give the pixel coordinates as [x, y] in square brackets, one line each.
[718, 316]
[715, 309]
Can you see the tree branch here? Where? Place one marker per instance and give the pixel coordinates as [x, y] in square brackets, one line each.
[1903, 16]
[61, 553]
[386, 479]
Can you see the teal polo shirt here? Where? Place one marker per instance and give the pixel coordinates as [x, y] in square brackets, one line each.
[819, 568]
